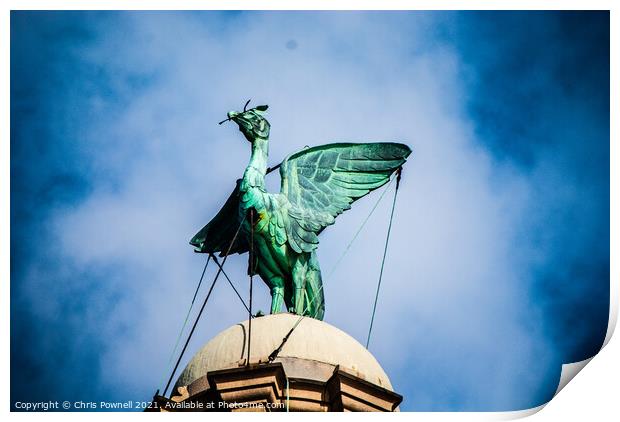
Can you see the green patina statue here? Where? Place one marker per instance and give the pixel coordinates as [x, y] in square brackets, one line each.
[317, 185]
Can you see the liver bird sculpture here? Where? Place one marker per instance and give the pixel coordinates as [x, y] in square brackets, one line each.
[317, 185]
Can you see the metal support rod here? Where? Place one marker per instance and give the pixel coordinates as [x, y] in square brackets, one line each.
[387, 241]
[191, 332]
[287, 394]
[230, 282]
[251, 276]
[199, 283]
[270, 169]
[176, 366]
[191, 306]
[275, 353]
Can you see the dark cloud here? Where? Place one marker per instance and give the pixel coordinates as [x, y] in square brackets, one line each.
[538, 89]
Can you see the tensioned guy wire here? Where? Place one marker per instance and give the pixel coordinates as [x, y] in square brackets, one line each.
[251, 279]
[387, 241]
[176, 366]
[275, 353]
[176, 344]
[231, 283]
[359, 230]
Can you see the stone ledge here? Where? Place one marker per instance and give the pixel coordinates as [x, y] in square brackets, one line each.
[265, 387]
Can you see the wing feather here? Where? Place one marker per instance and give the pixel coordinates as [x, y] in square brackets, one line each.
[219, 232]
[321, 183]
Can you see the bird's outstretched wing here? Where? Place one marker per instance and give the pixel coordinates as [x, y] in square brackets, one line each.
[220, 231]
[321, 182]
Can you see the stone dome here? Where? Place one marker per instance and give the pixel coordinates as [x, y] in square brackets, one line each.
[314, 348]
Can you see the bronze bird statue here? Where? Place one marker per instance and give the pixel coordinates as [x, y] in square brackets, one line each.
[317, 185]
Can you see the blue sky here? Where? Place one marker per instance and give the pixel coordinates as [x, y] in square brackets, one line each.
[498, 268]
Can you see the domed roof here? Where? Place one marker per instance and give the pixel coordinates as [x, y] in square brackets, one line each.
[314, 342]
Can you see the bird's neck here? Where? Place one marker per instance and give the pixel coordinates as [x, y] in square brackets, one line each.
[254, 175]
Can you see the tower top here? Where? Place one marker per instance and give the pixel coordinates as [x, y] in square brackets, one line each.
[313, 341]
[318, 368]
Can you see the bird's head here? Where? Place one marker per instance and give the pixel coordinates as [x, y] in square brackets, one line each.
[251, 122]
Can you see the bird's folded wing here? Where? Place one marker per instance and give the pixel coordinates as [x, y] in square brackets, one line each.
[322, 182]
[218, 234]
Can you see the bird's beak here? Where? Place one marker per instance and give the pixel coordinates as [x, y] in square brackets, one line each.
[231, 116]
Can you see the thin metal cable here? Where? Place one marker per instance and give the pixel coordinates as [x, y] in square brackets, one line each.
[200, 282]
[231, 283]
[359, 230]
[387, 240]
[251, 279]
[275, 353]
[176, 344]
[203, 306]
[287, 394]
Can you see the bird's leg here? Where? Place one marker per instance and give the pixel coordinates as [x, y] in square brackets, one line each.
[277, 294]
[299, 285]
[314, 289]
[299, 300]
[277, 297]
